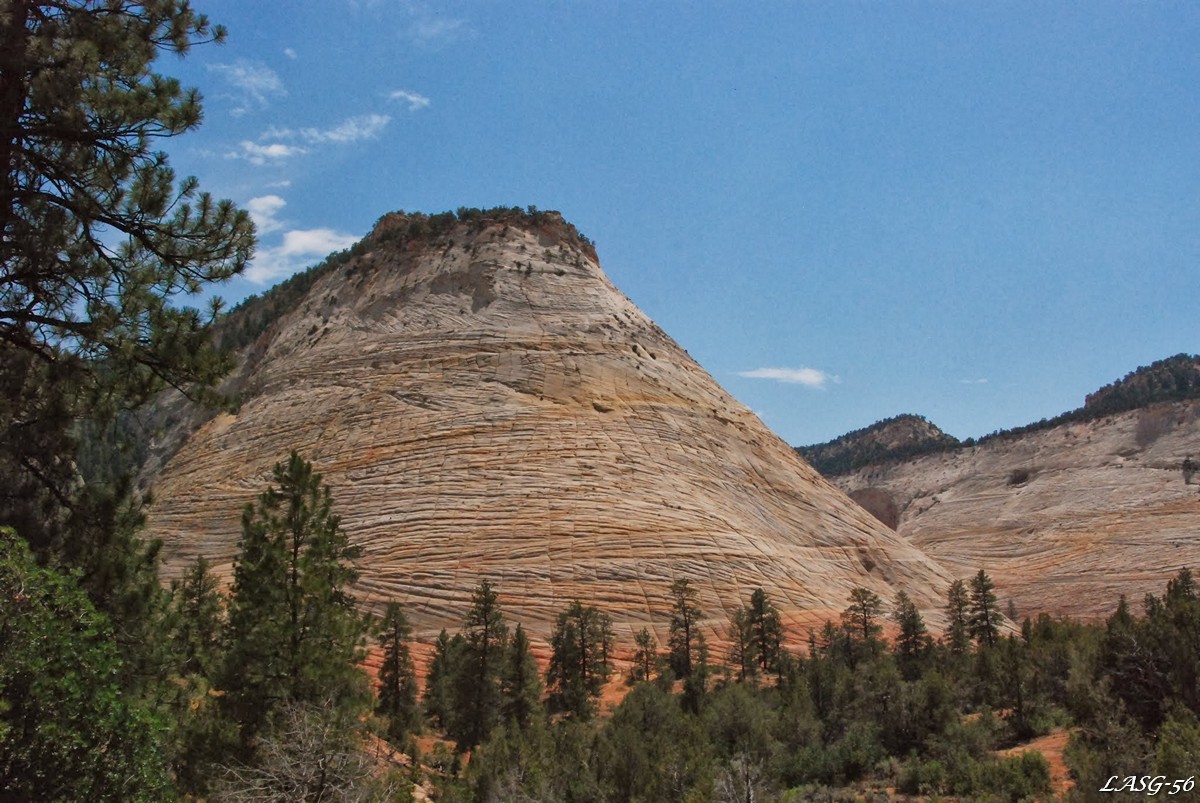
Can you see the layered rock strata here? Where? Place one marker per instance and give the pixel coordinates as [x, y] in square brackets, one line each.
[485, 404]
[1065, 519]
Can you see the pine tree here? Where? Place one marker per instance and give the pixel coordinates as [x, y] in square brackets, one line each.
[197, 619]
[476, 693]
[766, 630]
[397, 679]
[439, 685]
[99, 240]
[743, 652]
[985, 617]
[645, 656]
[861, 617]
[579, 663]
[520, 687]
[293, 632]
[912, 642]
[688, 652]
[958, 636]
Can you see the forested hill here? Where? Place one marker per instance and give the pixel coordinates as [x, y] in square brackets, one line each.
[1172, 379]
[890, 439]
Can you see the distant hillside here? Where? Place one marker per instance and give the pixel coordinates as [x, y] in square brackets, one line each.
[891, 439]
[1172, 379]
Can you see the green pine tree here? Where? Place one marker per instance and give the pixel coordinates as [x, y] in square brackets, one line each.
[100, 241]
[397, 678]
[293, 633]
[520, 686]
[985, 617]
[579, 663]
[958, 635]
[476, 695]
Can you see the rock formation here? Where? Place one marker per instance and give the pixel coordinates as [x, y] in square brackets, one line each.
[1064, 518]
[485, 404]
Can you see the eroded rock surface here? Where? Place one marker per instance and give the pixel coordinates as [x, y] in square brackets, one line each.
[1064, 519]
[486, 404]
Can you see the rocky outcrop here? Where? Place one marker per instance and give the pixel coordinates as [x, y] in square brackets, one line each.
[1064, 518]
[485, 404]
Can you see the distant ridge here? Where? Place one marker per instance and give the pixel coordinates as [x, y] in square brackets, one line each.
[894, 438]
[1172, 379]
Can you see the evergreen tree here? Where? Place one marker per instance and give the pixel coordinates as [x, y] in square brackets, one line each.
[861, 618]
[397, 679]
[912, 642]
[743, 652]
[66, 731]
[958, 636]
[579, 663]
[766, 630]
[197, 620]
[688, 652]
[293, 632]
[98, 239]
[645, 656]
[520, 687]
[439, 685]
[985, 617]
[476, 685]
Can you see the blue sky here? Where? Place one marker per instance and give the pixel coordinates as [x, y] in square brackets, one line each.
[977, 212]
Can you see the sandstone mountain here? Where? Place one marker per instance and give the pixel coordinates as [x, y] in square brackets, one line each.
[891, 439]
[485, 404]
[1067, 514]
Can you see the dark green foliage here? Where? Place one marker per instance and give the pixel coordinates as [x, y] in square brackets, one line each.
[475, 696]
[67, 732]
[99, 237]
[294, 634]
[985, 619]
[397, 680]
[438, 699]
[196, 621]
[579, 659]
[860, 620]
[645, 657]
[958, 634]
[520, 687]
[687, 651]
[912, 642]
[652, 750]
[873, 445]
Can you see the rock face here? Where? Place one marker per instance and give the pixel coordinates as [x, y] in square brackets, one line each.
[485, 404]
[1064, 519]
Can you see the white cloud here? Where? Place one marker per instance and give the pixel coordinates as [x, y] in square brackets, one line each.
[264, 211]
[299, 249]
[414, 100]
[290, 53]
[257, 154]
[809, 377]
[366, 126]
[254, 83]
[972, 381]
[428, 30]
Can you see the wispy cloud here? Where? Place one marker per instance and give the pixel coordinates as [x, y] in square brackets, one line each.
[353, 129]
[809, 377]
[260, 154]
[299, 249]
[264, 211]
[290, 53]
[427, 29]
[253, 84]
[414, 100]
[972, 381]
